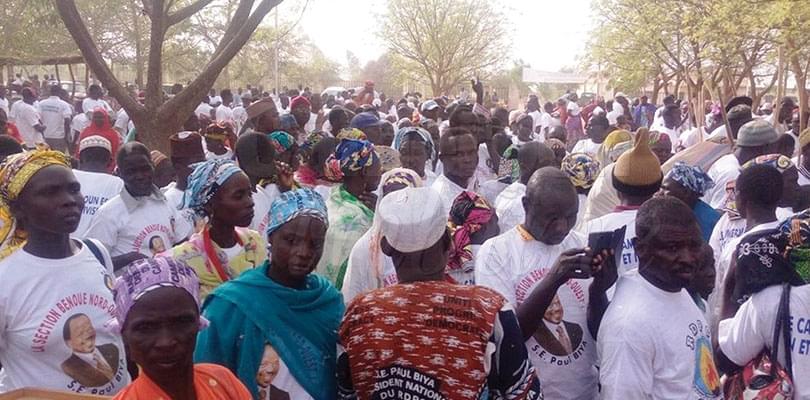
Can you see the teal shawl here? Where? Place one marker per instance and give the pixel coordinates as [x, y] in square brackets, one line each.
[301, 325]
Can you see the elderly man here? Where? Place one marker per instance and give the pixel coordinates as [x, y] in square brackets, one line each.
[460, 328]
[654, 343]
[264, 116]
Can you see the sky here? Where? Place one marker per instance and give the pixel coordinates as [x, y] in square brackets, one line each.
[547, 34]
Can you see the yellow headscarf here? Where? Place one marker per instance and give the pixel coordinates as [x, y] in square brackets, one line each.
[616, 142]
[15, 172]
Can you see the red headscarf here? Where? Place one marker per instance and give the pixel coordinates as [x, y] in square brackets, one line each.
[105, 130]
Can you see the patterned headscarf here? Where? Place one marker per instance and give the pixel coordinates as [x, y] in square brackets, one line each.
[350, 156]
[399, 138]
[581, 168]
[778, 161]
[469, 213]
[218, 130]
[204, 181]
[145, 275]
[15, 172]
[772, 257]
[281, 141]
[509, 165]
[311, 140]
[351, 133]
[296, 203]
[615, 144]
[288, 121]
[690, 177]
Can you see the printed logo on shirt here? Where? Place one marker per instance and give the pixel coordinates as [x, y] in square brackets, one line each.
[706, 378]
[153, 236]
[800, 342]
[398, 382]
[92, 203]
[267, 373]
[557, 341]
[94, 368]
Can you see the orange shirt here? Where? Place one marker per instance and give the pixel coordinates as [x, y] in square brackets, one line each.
[211, 382]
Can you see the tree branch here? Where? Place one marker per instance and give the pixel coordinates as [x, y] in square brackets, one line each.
[77, 29]
[185, 12]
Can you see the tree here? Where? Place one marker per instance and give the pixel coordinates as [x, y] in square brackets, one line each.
[445, 42]
[156, 119]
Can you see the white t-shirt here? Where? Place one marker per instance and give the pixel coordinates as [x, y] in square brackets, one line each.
[514, 267]
[88, 105]
[490, 190]
[79, 122]
[586, 146]
[611, 222]
[227, 155]
[724, 170]
[224, 113]
[203, 109]
[693, 137]
[483, 173]
[655, 344]
[751, 330]
[26, 116]
[97, 189]
[122, 122]
[145, 225]
[239, 118]
[309, 127]
[359, 276]
[38, 297]
[724, 232]
[449, 190]
[509, 206]
[4, 104]
[263, 199]
[186, 219]
[53, 111]
[541, 119]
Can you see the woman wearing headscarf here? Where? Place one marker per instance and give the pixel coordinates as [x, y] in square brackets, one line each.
[156, 293]
[312, 173]
[46, 344]
[582, 169]
[416, 152]
[689, 183]
[219, 191]
[219, 141]
[351, 204]
[286, 160]
[100, 125]
[275, 326]
[472, 222]
[368, 268]
[770, 266]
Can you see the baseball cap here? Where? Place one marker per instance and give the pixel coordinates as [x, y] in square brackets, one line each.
[429, 105]
[365, 120]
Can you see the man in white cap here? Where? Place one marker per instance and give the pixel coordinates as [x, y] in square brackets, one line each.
[98, 186]
[423, 335]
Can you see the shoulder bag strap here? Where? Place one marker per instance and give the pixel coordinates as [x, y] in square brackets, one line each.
[784, 305]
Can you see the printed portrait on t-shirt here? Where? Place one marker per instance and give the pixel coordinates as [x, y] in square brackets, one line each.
[90, 365]
[267, 373]
[156, 245]
[556, 335]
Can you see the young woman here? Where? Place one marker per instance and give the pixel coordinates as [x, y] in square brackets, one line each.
[54, 291]
[351, 205]
[158, 314]
[275, 326]
[220, 191]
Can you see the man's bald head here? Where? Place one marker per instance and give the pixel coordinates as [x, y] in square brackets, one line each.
[531, 157]
[551, 205]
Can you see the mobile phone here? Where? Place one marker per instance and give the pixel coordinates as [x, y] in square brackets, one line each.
[611, 240]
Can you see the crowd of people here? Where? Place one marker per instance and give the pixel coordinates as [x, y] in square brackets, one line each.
[354, 245]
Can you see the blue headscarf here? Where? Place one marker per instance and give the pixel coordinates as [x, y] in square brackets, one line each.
[399, 138]
[204, 181]
[355, 155]
[691, 177]
[288, 122]
[295, 203]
